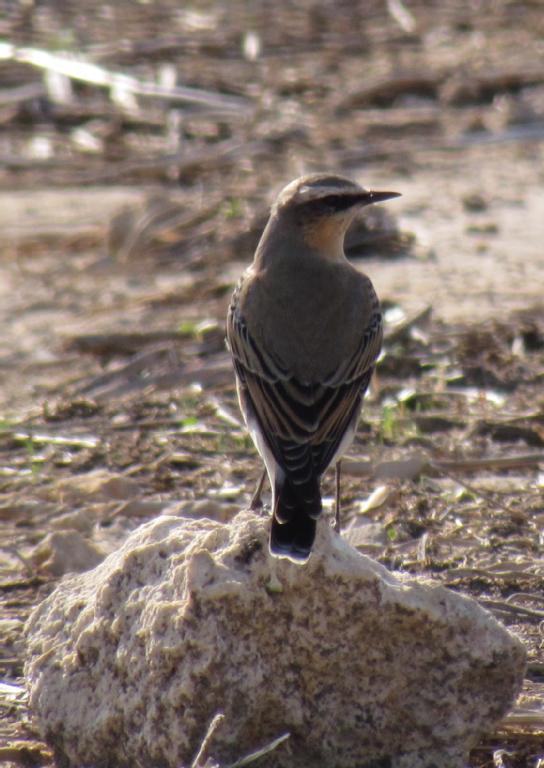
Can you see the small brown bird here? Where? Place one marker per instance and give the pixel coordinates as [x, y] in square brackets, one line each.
[304, 328]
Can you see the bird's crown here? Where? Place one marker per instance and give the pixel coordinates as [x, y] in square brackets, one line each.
[316, 186]
[330, 192]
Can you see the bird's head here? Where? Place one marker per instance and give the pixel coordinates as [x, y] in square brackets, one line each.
[321, 206]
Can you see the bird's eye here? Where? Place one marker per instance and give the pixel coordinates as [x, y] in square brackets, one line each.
[328, 204]
[335, 203]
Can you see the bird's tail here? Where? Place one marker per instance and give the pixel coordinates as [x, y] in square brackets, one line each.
[296, 509]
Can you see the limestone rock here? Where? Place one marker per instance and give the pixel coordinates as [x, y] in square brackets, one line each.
[82, 520]
[68, 551]
[129, 663]
[99, 485]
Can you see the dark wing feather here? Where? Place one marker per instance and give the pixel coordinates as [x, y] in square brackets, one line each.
[303, 424]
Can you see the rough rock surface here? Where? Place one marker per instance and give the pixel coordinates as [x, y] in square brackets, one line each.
[129, 663]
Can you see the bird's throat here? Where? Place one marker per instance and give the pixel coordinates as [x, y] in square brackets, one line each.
[327, 238]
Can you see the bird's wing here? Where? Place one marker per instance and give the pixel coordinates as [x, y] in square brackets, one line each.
[302, 423]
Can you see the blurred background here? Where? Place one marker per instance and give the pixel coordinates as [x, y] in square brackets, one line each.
[149, 138]
[144, 142]
[141, 145]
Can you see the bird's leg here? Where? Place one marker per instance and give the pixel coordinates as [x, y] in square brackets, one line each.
[337, 504]
[255, 505]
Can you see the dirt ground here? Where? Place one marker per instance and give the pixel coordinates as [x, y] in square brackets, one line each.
[125, 221]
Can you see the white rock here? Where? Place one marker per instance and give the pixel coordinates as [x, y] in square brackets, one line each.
[82, 520]
[129, 663]
[97, 486]
[220, 511]
[68, 551]
[366, 536]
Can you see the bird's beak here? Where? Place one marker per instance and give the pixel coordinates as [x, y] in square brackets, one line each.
[368, 198]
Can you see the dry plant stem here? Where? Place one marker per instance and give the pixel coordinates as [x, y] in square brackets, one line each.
[146, 358]
[200, 758]
[498, 462]
[337, 524]
[128, 377]
[524, 717]
[401, 15]
[253, 756]
[512, 610]
[469, 487]
[415, 465]
[118, 343]
[402, 329]
[92, 74]
[256, 503]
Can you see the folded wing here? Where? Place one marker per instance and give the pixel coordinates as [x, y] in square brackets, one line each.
[303, 424]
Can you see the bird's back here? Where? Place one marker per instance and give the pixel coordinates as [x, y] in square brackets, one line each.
[311, 315]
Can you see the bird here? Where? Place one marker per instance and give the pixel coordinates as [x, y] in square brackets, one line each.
[304, 329]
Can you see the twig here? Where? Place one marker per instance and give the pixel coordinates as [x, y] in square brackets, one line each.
[118, 343]
[422, 547]
[198, 762]
[87, 72]
[384, 90]
[26, 92]
[41, 438]
[161, 225]
[400, 330]
[417, 464]
[524, 595]
[492, 575]
[147, 359]
[527, 717]
[224, 413]
[260, 752]
[401, 15]
[524, 461]
[405, 469]
[200, 759]
[512, 610]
